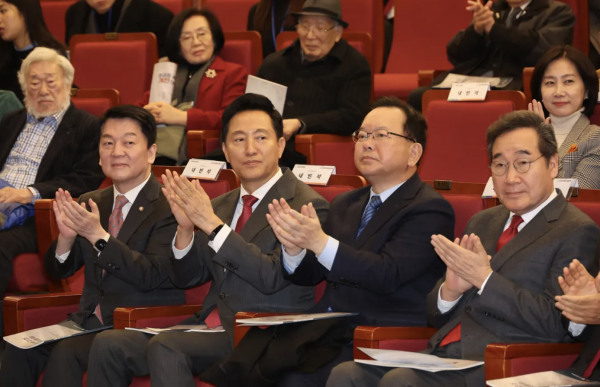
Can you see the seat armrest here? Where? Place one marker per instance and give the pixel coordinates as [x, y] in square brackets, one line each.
[53, 307]
[146, 316]
[305, 143]
[370, 337]
[196, 141]
[499, 357]
[427, 76]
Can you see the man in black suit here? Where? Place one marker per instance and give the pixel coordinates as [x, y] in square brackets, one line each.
[48, 145]
[374, 250]
[234, 248]
[122, 239]
[502, 276]
[102, 16]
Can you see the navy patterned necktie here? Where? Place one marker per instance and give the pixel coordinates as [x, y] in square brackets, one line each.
[372, 207]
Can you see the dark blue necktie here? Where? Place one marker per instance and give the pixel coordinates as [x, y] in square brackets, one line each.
[372, 207]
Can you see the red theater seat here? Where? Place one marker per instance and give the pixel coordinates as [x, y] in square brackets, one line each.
[419, 42]
[54, 15]
[581, 35]
[366, 16]
[175, 6]
[339, 184]
[233, 14]
[456, 146]
[328, 149]
[116, 61]
[95, 101]
[243, 48]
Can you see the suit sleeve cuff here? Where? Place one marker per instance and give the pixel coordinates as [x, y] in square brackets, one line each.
[291, 262]
[576, 329]
[484, 282]
[178, 254]
[63, 257]
[445, 306]
[327, 257]
[35, 193]
[216, 243]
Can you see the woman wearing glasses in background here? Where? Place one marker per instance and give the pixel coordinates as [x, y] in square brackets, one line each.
[204, 85]
[566, 83]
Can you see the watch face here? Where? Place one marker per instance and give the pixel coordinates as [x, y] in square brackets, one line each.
[100, 244]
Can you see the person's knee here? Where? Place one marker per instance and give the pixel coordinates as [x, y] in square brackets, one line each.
[401, 377]
[14, 355]
[106, 344]
[344, 374]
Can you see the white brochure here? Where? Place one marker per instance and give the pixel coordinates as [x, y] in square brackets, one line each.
[289, 319]
[414, 360]
[163, 82]
[543, 379]
[34, 337]
[275, 92]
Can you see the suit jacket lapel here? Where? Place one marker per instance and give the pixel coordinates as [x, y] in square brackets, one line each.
[533, 231]
[284, 188]
[207, 82]
[572, 138]
[140, 209]
[57, 143]
[396, 202]
[105, 208]
[354, 215]
[226, 210]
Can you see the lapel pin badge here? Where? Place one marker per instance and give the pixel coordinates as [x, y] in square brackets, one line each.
[141, 208]
[210, 73]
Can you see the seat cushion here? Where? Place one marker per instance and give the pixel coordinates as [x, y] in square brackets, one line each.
[28, 275]
[399, 85]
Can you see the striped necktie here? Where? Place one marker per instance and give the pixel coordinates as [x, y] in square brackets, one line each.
[372, 207]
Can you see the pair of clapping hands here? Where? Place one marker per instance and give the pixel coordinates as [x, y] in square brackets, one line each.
[74, 219]
[191, 207]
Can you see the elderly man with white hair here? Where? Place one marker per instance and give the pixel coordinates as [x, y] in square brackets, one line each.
[49, 144]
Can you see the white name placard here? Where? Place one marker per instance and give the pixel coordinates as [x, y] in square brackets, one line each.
[314, 174]
[563, 185]
[203, 169]
[468, 91]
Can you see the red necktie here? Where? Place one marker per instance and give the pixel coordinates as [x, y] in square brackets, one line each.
[115, 222]
[249, 201]
[505, 237]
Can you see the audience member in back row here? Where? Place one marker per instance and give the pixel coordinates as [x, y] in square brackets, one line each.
[22, 28]
[205, 84]
[505, 37]
[46, 146]
[270, 17]
[102, 16]
[565, 81]
[502, 277]
[329, 81]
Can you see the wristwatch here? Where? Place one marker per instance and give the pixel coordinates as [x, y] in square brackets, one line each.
[213, 234]
[100, 244]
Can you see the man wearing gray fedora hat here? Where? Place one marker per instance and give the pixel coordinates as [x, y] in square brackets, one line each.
[329, 82]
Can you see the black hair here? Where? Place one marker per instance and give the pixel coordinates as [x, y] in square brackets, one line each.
[36, 28]
[249, 102]
[415, 126]
[174, 33]
[523, 119]
[142, 116]
[584, 67]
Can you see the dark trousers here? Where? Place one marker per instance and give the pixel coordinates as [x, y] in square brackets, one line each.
[320, 376]
[171, 359]
[15, 241]
[63, 361]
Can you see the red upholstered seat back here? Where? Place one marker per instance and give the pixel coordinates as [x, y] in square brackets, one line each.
[240, 52]
[530, 365]
[54, 16]
[420, 42]
[28, 275]
[456, 144]
[340, 154]
[175, 6]
[465, 206]
[95, 106]
[331, 191]
[367, 16]
[196, 296]
[124, 65]
[410, 345]
[215, 188]
[212, 144]
[581, 34]
[591, 209]
[595, 118]
[233, 14]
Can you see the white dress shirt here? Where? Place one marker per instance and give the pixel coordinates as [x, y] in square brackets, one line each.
[445, 306]
[327, 256]
[226, 229]
[131, 195]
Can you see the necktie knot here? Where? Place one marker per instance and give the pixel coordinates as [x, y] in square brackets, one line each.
[515, 222]
[375, 202]
[120, 202]
[249, 200]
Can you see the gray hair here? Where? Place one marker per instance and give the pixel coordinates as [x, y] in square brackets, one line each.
[44, 54]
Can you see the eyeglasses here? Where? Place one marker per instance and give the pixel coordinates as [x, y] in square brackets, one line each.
[319, 32]
[378, 135]
[202, 36]
[500, 168]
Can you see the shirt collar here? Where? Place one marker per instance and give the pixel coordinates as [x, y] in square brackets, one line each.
[531, 214]
[51, 119]
[133, 193]
[387, 193]
[262, 191]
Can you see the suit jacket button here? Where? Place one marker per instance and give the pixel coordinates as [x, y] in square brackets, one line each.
[101, 293]
[290, 103]
[221, 295]
[468, 309]
[335, 286]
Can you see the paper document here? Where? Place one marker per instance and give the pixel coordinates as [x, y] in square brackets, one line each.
[543, 379]
[273, 91]
[163, 82]
[179, 328]
[457, 78]
[289, 319]
[39, 336]
[414, 360]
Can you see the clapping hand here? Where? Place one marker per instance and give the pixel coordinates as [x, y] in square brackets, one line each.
[483, 17]
[538, 108]
[581, 300]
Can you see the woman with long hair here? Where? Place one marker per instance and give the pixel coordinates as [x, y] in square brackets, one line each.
[22, 28]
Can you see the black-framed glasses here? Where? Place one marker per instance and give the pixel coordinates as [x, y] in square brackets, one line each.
[378, 135]
[500, 168]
